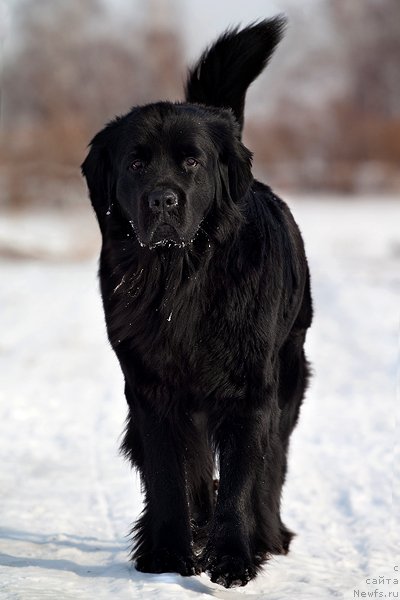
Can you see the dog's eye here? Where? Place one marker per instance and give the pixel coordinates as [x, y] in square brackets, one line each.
[137, 164]
[191, 162]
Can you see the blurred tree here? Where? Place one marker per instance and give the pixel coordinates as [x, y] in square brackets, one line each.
[370, 34]
[71, 71]
[368, 113]
[340, 128]
[163, 50]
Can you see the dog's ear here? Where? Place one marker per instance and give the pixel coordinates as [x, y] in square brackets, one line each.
[233, 178]
[238, 159]
[235, 161]
[98, 170]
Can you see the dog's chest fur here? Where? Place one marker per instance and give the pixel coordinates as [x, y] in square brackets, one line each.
[186, 328]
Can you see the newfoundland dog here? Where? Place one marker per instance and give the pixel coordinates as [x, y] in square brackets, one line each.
[206, 296]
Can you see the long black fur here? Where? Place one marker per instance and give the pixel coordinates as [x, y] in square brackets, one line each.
[225, 71]
[206, 295]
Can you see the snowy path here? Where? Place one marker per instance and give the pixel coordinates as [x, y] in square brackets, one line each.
[67, 499]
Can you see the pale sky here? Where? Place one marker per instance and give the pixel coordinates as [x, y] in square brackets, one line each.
[201, 22]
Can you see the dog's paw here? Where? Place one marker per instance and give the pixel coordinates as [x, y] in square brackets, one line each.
[167, 561]
[228, 570]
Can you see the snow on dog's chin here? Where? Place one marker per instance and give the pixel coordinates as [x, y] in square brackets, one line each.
[164, 234]
[167, 244]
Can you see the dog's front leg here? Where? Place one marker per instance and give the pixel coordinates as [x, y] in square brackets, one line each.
[162, 534]
[245, 441]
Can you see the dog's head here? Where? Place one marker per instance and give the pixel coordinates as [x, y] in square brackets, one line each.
[164, 167]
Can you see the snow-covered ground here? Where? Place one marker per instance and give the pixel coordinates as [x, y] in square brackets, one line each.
[67, 499]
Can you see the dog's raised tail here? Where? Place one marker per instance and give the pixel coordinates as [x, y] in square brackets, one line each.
[226, 69]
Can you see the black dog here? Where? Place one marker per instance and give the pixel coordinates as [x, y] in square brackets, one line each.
[206, 295]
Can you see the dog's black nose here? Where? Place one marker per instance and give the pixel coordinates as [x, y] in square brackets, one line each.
[162, 200]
